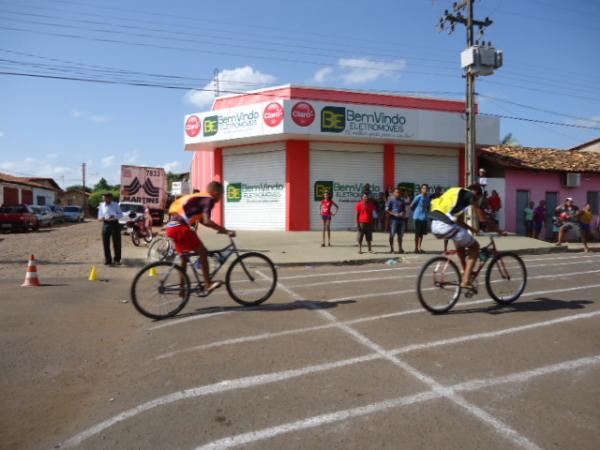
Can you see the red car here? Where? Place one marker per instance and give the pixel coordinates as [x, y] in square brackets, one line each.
[18, 217]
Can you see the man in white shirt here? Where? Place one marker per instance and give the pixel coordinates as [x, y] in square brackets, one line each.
[109, 213]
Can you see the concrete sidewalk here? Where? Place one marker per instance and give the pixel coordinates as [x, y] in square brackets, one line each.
[304, 248]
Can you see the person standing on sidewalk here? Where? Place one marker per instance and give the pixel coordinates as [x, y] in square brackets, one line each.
[109, 213]
[396, 209]
[421, 206]
[364, 221]
[539, 218]
[327, 212]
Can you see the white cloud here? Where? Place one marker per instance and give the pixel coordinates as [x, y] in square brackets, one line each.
[171, 166]
[108, 161]
[322, 74]
[131, 157]
[360, 70]
[94, 118]
[52, 155]
[37, 167]
[240, 79]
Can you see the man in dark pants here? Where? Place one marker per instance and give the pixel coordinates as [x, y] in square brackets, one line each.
[109, 213]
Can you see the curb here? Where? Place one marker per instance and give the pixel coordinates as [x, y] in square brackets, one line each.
[413, 258]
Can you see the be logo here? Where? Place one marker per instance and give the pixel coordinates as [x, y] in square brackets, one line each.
[333, 119]
[192, 126]
[211, 125]
[321, 187]
[234, 192]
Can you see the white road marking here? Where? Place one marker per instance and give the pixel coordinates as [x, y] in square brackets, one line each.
[500, 427]
[273, 335]
[257, 380]
[217, 388]
[338, 416]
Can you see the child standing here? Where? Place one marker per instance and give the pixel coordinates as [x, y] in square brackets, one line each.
[585, 220]
[528, 218]
[421, 206]
[364, 221]
[327, 212]
[539, 217]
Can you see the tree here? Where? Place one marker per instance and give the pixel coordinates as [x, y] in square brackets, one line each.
[510, 141]
[78, 187]
[102, 185]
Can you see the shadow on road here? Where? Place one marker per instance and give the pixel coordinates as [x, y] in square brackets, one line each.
[537, 305]
[273, 307]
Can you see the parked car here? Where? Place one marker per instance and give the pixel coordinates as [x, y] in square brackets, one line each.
[44, 214]
[18, 217]
[73, 214]
[127, 207]
[58, 213]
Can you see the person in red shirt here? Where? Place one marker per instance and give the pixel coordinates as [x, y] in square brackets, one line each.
[364, 221]
[327, 212]
[495, 204]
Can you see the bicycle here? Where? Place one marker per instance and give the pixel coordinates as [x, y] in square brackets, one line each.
[161, 289]
[161, 249]
[439, 282]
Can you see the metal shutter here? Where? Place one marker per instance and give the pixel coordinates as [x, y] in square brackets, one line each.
[346, 165]
[440, 169]
[262, 167]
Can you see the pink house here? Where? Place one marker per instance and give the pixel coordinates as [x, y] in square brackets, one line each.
[534, 174]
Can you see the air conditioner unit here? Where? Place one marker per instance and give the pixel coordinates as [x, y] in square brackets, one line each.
[572, 179]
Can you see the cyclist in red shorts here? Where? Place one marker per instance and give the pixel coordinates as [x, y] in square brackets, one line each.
[187, 211]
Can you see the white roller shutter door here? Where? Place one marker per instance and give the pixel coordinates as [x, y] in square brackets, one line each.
[255, 195]
[437, 167]
[348, 168]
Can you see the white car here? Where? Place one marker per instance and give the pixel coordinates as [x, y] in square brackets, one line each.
[44, 215]
[128, 207]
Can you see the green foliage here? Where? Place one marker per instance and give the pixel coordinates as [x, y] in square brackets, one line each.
[102, 185]
[78, 187]
[510, 141]
[96, 198]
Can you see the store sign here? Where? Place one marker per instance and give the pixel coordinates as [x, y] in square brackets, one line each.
[343, 192]
[303, 114]
[273, 114]
[287, 118]
[251, 193]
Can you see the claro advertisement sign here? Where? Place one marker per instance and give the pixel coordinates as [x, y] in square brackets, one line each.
[329, 120]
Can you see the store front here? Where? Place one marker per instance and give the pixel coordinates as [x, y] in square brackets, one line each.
[278, 150]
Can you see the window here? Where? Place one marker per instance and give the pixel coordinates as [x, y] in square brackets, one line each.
[41, 200]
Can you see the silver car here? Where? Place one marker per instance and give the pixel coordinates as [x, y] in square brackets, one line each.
[44, 215]
[73, 214]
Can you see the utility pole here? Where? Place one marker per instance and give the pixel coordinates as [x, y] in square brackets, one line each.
[216, 82]
[477, 59]
[83, 167]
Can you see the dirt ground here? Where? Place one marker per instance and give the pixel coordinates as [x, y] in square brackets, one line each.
[66, 250]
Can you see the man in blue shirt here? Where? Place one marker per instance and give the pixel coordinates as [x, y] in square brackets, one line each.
[421, 205]
[396, 209]
[109, 212]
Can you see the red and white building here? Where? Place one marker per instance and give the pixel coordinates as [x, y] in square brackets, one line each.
[277, 149]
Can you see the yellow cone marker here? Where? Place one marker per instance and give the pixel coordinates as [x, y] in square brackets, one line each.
[93, 274]
[153, 272]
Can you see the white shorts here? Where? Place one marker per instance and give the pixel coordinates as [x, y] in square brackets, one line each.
[458, 234]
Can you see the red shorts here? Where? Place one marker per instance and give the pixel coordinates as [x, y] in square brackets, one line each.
[186, 240]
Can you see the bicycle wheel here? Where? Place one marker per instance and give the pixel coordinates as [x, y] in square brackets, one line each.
[251, 279]
[506, 278]
[135, 237]
[160, 250]
[148, 236]
[438, 285]
[160, 290]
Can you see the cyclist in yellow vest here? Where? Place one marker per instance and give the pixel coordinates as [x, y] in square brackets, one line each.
[187, 211]
[448, 222]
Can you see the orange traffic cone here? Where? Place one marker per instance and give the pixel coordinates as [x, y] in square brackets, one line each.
[31, 277]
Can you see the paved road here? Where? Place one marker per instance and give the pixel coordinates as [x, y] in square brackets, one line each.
[341, 357]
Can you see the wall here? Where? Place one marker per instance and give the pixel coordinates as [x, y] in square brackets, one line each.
[538, 183]
[48, 194]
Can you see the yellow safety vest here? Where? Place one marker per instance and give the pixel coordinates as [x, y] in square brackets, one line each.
[177, 207]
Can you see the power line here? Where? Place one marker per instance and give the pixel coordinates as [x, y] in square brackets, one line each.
[547, 122]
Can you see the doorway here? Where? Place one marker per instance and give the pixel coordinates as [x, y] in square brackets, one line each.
[522, 203]
[551, 204]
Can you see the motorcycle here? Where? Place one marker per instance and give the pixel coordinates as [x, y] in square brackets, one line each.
[138, 229]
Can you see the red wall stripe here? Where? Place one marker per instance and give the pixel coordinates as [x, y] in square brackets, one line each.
[389, 166]
[298, 185]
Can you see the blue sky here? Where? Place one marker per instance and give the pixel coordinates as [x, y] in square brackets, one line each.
[49, 127]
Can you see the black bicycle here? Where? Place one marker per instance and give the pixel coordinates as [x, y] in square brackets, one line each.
[439, 282]
[161, 289]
